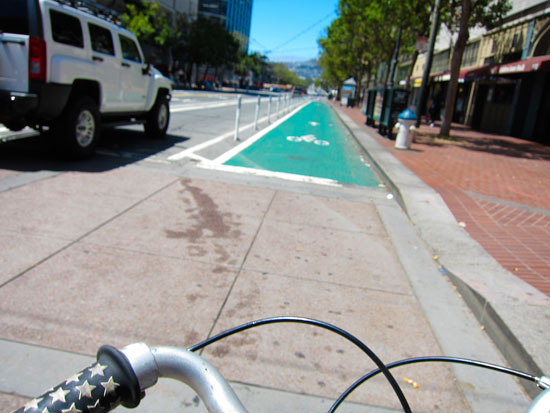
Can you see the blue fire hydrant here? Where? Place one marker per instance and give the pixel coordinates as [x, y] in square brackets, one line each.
[407, 119]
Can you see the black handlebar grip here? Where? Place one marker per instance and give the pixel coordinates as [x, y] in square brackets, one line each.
[99, 388]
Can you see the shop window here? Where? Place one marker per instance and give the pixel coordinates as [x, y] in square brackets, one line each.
[543, 45]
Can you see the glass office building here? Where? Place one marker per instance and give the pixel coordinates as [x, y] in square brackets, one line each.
[235, 14]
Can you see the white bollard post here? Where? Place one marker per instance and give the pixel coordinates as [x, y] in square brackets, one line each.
[257, 113]
[237, 118]
[269, 110]
[278, 104]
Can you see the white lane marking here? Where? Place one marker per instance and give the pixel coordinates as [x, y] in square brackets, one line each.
[269, 174]
[234, 151]
[196, 157]
[209, 105]
[308, 139]
[190, 151]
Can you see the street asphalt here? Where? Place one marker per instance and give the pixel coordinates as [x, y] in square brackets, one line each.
[170, 257]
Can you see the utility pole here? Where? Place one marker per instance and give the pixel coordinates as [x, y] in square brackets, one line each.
[395, 58]
[428, 67]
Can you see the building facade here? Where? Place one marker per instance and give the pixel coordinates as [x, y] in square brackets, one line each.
[235, 14]
[504, 85]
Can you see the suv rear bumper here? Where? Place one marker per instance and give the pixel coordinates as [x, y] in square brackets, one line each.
[15, 105]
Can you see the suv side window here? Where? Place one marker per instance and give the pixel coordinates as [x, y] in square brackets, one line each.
[129, 49]
[102, 40]
[66, 29]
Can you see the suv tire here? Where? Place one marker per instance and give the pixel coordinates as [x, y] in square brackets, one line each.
[78, 129]
[158, 118]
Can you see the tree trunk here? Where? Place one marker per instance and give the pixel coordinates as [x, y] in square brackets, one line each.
[456, 61]
[411, 69]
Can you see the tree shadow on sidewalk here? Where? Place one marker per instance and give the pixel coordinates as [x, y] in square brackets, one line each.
[464, 137]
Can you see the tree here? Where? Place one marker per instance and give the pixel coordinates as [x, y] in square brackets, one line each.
[486, 13]
[210, 45]
[255, 63]
[282, 74]
[148, 21]
[365, 33]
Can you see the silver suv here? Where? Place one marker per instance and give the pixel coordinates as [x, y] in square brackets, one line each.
[66, 65]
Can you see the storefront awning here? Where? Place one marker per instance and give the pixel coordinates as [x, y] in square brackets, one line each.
[470, 73]
[538, 63]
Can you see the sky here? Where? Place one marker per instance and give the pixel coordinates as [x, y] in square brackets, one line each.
[287, 30]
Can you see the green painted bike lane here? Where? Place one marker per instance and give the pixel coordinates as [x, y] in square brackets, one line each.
[312, 143]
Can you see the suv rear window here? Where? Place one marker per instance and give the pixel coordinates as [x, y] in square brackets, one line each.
[14, 17]
[66, 29]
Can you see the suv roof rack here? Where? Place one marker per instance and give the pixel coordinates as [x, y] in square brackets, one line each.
[91, 7]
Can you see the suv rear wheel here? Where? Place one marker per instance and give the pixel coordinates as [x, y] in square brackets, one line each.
[158, 118]
[78, 128]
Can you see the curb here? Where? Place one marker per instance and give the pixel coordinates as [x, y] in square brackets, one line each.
[514, 314]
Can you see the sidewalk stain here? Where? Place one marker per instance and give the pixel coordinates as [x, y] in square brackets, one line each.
[313, 143]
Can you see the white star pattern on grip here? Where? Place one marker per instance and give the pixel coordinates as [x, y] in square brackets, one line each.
[74, 378]
[71, 409]
[85, 390]
[33, 404]
[97, 370]
[93, 407]
[59, 395]
[109, 386]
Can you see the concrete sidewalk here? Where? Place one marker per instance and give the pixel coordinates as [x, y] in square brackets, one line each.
[498, 186]
[482, 204]
[136, 253]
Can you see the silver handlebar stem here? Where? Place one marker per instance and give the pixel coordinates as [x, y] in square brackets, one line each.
[187, 367]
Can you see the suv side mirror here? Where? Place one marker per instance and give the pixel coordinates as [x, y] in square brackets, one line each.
[146, 70]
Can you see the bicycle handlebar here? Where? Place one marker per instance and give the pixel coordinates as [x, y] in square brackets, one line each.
[122, 376]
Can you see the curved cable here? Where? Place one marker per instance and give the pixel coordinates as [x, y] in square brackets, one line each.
[444, 359]
[381, 366]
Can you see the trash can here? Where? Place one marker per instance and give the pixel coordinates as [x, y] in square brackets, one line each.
[407, 120]
[395, 101]
[370, 104]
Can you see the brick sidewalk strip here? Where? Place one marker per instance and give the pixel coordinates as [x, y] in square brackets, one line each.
[497, 186]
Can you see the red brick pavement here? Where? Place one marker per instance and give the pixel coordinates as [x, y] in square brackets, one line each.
[498, 186]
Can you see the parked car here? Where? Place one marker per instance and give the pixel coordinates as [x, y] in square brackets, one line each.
[67, 65]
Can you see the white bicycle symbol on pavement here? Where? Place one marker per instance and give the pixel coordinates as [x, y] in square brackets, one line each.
[308, 139]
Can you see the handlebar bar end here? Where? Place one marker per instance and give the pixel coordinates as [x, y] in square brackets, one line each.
[129, 390]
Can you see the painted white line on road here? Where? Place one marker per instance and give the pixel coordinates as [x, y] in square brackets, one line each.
[234, 151]
[269, 174]
[196, 157]
[208, 106]
[187, 153]
[191, 151]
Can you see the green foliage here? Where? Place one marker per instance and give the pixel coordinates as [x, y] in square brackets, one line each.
[148, 21]
[211, 44]
[254, 62]
[365, 33]
[483, 13]
[282, 74]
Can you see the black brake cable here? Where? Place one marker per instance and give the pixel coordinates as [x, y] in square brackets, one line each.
[381, 366]
[444, 359]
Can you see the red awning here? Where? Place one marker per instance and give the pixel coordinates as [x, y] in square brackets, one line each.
[475, 73]
[540, 63]
[465, 74]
